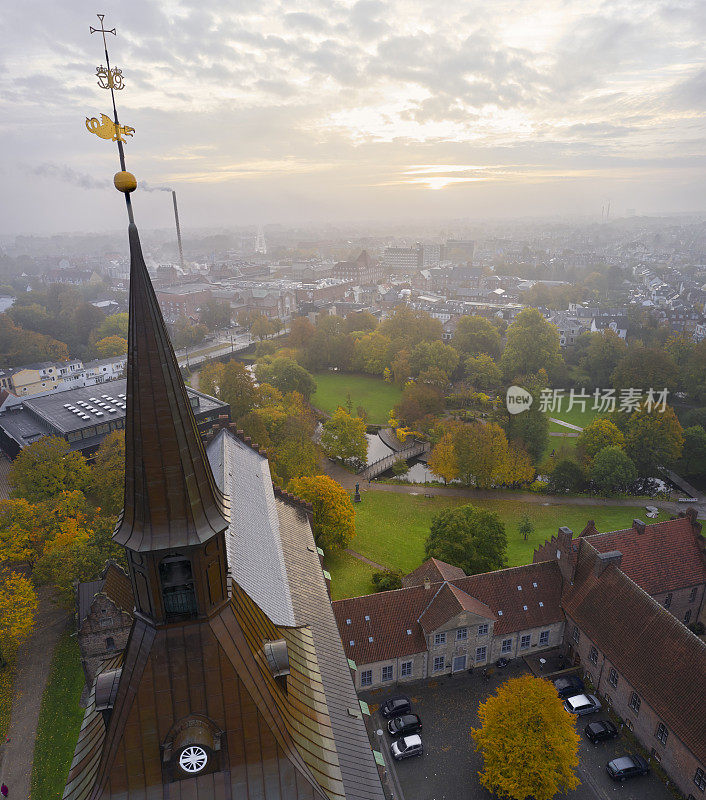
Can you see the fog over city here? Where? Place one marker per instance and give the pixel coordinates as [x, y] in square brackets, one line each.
[319, 111]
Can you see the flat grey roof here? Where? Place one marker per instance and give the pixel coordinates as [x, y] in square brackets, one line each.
[76, 409]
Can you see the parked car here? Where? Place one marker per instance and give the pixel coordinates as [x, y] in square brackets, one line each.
[502, 662]
[600, 730]
[406, 747]
[401, 726]
[396, 707]
[568, 685]
[620, 769]
[581, 704]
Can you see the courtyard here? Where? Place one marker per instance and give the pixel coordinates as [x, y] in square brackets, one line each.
[448, 770]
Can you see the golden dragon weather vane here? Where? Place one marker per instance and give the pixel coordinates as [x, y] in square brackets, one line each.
[112, 79]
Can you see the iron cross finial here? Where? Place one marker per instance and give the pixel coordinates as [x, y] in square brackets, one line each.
[103, 30]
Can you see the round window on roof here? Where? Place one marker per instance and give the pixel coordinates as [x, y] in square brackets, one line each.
[193, 759]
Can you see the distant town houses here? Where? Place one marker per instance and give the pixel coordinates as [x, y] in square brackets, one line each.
[48, 376]
[599, 598]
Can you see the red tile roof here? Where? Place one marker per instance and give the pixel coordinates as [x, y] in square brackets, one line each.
[448, 602]
[667, 556]
[433, 570]
[391, 614]
[645, 643]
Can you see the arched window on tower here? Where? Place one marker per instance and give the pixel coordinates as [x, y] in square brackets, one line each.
[178, 592]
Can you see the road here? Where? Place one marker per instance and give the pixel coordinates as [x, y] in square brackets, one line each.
[193, 356]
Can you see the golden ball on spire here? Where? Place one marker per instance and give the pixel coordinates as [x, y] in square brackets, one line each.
[125, 182]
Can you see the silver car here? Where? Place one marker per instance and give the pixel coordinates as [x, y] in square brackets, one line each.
[581, 704]
[406, 747]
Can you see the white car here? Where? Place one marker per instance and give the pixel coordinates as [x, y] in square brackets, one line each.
[406, 747]
[581, 704]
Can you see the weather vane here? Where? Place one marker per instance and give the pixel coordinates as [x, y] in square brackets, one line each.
[112, 79]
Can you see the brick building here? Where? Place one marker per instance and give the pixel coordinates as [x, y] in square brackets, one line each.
[666, 559]
[104, 618]
[435, 626]
[615, 603]
[362, 270]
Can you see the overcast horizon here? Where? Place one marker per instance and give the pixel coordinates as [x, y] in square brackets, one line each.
[331, 112]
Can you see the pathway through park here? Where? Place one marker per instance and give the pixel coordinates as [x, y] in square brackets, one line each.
[33, 665]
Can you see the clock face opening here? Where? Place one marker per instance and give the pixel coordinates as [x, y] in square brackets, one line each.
[193, 759]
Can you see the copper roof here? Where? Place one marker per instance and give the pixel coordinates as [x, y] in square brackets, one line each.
[666, 556]
[378, 624]
[433, 570]
[645, 643]
[171, 498]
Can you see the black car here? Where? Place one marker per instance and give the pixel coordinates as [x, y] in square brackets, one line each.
[619, 769]
[600, 730]
[396, 707]
[568, 686]
[401, 726]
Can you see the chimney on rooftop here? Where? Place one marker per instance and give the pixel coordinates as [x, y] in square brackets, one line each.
[638, 525]
[604, 560]
[427, 583]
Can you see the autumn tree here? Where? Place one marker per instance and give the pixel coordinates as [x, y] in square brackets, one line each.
[419, 400]
[46, 468]
[334, 517]
[602, 354]
[285, 374]
[18, 604]
[427, 355]
[482, 372]
[468, 537]
[653, 440]
[476, 336]
[237, 388]
[107, 474]
[481, 454]
[110, 347]
[645, 368]
[343, 437]
[528, 742]
[113, 325]
[210, 378]
[532, 344]
[599, 434]
[360, 321]
[371, 353]
[694, 455]
[406, 327]
[613, 471]
[261, 327]
[442, 459]
[300, 332]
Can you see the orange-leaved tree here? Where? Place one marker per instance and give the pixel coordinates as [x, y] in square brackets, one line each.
[18, 603]
[334, 517]
[528, 742]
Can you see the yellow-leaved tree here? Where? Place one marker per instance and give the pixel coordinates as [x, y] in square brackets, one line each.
[334, 517]
[528, 742]
[442, 459]
[18, 604]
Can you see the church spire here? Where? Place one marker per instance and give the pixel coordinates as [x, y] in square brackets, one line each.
[171, 498]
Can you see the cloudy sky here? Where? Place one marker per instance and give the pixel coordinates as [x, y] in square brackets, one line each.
[269, 111]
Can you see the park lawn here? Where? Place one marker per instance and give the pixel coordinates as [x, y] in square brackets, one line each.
[60, 719]
[575, 416]
[350, 577]
[375, 395]
[391, 528]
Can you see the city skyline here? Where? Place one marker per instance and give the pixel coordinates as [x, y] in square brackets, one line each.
[323, 112]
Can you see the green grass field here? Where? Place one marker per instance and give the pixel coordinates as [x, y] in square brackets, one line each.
[350, 577]
[60, 719]
[375, 395]
[575, 416]
[391, 530]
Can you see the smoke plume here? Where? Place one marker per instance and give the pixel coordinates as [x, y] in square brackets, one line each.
[66, 174]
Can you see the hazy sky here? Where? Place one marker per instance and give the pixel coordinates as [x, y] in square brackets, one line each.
[259, 110]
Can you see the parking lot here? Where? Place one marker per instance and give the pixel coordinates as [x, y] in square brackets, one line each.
[448, 770]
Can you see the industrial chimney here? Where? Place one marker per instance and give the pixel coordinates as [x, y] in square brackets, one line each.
[178, 229]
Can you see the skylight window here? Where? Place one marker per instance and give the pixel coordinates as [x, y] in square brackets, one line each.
[351, 643]
[370, 638]
[534, 583]
[409, 632]
[500, 613]
[348, 622]
[524, 607]
[367, 618]
[541, 604]
[519, 588]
